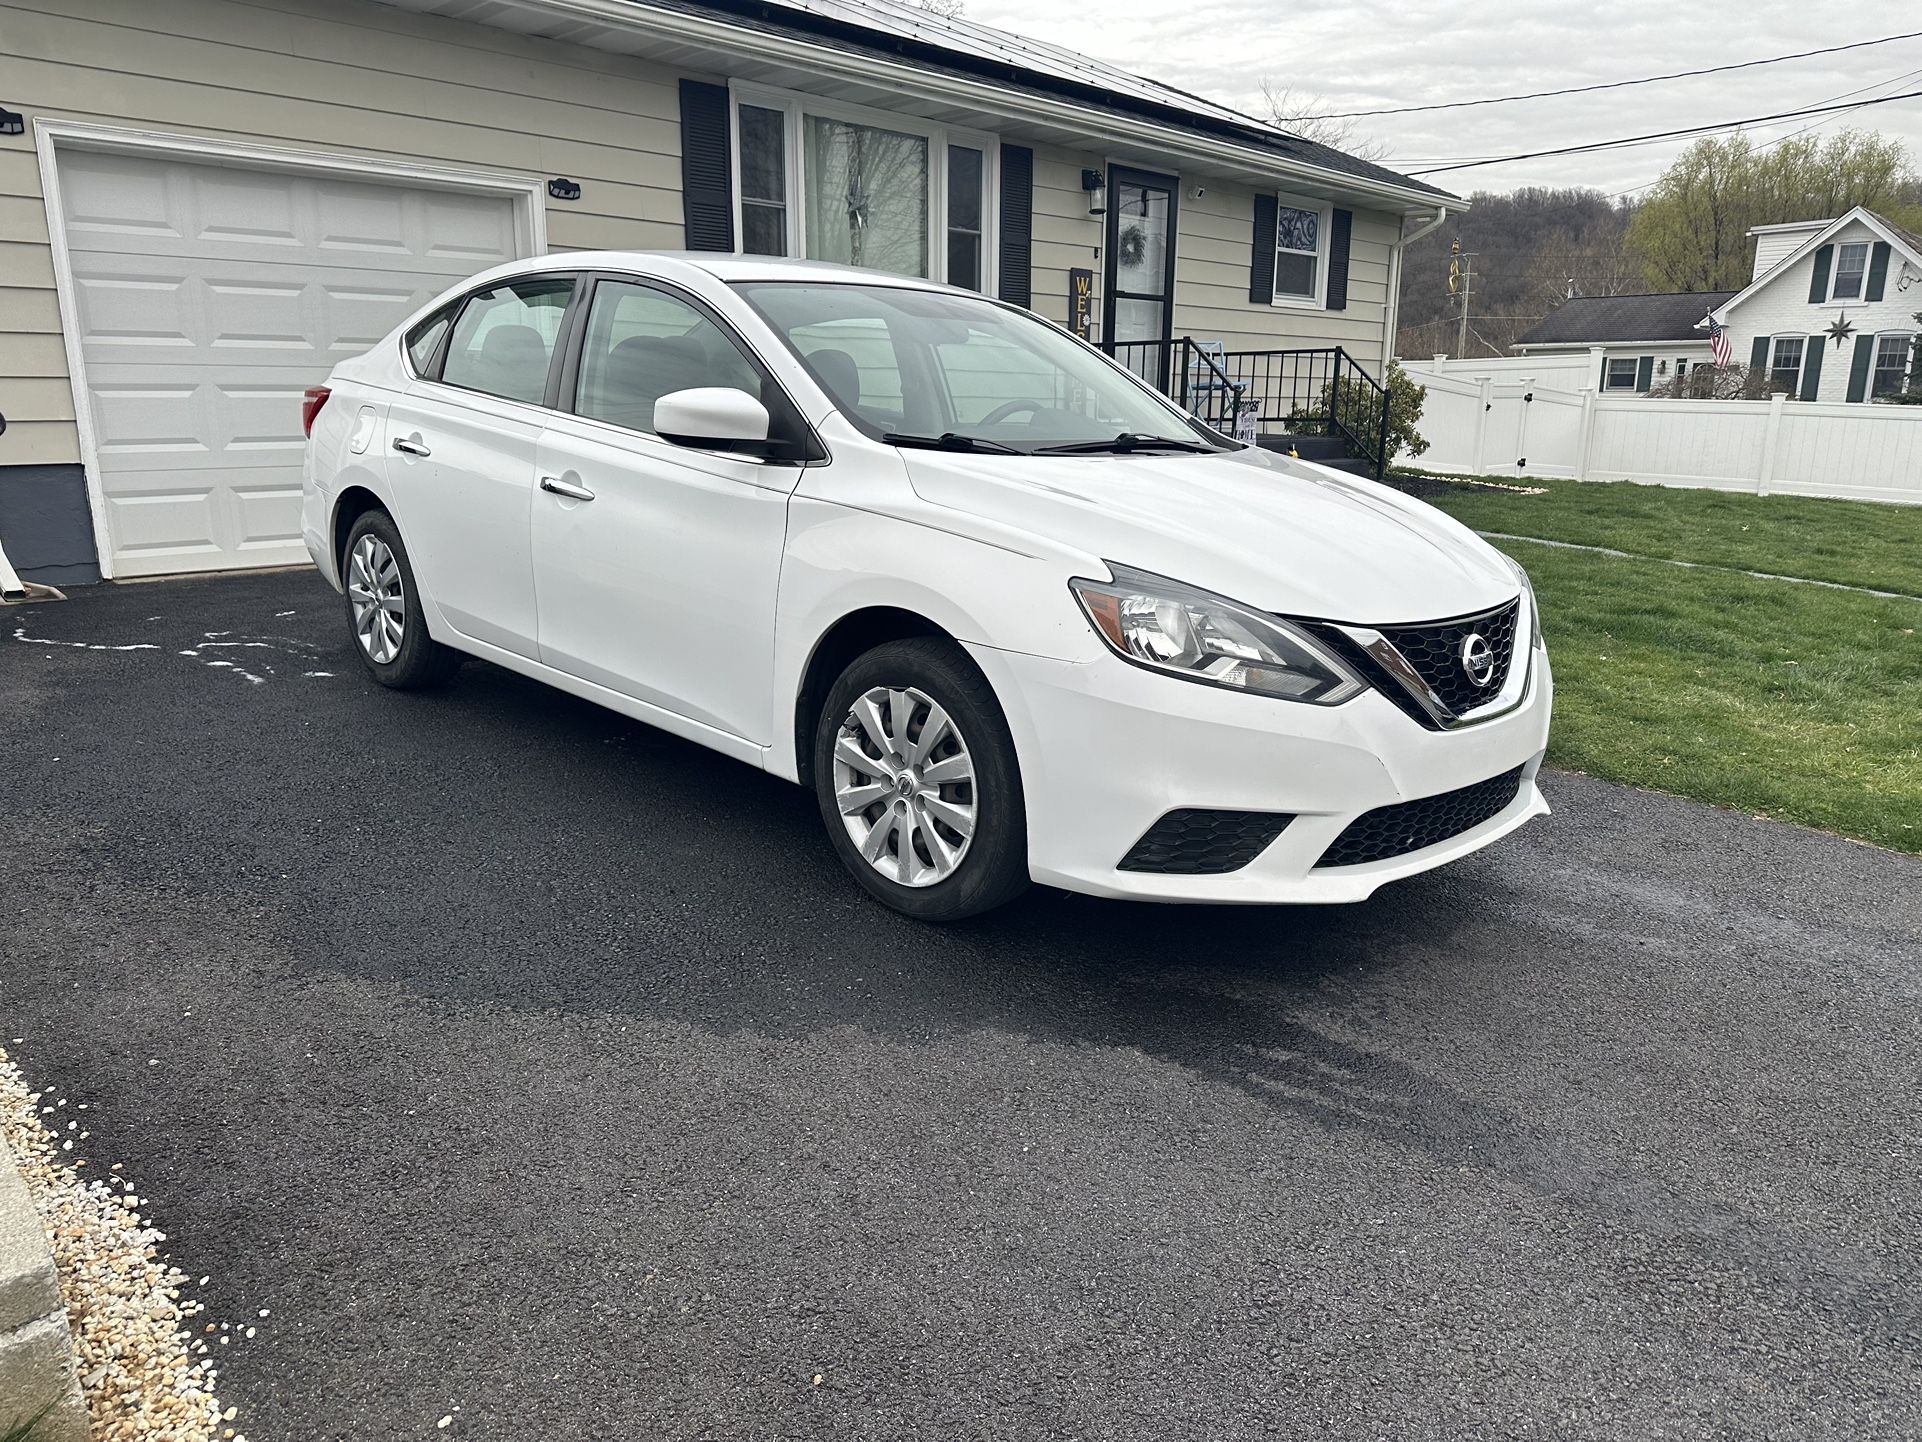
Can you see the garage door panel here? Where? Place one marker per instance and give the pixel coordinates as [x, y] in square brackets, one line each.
[209, 298]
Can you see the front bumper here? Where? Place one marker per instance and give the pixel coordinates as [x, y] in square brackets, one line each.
[1107, 749]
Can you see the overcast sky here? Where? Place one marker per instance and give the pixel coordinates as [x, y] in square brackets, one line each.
[1364, 54]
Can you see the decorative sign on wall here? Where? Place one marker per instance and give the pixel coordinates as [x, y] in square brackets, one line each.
[1081, 302]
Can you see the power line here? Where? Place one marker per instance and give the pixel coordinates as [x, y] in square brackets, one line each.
[1619, 84]
[1668, 134]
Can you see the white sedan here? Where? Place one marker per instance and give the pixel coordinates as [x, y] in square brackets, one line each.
[1009, 612]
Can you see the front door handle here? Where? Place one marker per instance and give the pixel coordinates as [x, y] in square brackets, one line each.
[411, 448]
[554, 485]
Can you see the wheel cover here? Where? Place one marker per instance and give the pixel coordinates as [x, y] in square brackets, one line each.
[904, 784]
[379, 599]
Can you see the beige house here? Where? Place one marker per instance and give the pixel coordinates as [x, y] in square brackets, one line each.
[205, 203]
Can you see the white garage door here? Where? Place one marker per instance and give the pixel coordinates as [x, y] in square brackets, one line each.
[209, 297]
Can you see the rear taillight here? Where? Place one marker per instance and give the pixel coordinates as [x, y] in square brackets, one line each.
[310, 405]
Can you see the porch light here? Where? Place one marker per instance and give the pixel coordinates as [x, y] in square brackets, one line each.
[1096, 184]
[11, 122]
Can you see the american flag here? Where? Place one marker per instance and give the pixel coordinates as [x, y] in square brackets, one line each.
[1718, 347]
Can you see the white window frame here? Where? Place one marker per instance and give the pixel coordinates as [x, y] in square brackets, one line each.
[794, 106]
[1835, 273]
[1634, 364]
[1907, 337]
[1324, 228]
[1801, 365]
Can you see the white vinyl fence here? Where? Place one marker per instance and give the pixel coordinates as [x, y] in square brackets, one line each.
[1504, 424]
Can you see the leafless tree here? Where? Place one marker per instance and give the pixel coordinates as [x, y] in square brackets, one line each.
[1715, 383]
[1306, 116]
[946, 9]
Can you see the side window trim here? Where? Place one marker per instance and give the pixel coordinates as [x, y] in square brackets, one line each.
[431, 371]
[566, 391]
[459, 306]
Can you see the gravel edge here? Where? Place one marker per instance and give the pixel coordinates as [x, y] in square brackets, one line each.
[144, 1375]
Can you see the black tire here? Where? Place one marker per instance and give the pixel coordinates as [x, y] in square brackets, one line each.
[419, 661]
[993, 866]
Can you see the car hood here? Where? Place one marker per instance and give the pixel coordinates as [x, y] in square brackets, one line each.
[1269, 531]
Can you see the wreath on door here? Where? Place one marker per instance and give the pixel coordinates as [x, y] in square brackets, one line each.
[1131, 246]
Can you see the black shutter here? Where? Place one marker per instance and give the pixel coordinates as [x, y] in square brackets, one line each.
[1758, 356]
[1644, 373]
[1017, 225]
[707, 186]
[1812, 367]
[1819, 282]
[1338, 242]
[1602, 384]
[1859, 367]
[1261, 267]
[1878, 270]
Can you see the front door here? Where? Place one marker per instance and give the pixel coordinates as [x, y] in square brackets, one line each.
[1141, 271]
[656, 564]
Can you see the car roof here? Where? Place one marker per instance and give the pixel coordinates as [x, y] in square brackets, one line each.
[724, 267]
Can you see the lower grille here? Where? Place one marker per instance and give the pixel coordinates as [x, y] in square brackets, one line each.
[1412, 825]
[1201, 843]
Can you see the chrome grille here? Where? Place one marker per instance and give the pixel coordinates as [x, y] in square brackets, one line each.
[1435, 653]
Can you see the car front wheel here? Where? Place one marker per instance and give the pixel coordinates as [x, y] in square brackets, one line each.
[918, 784]
[383, 609]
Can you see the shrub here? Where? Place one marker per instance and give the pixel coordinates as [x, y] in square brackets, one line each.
[1714, 383]
[1359, 406]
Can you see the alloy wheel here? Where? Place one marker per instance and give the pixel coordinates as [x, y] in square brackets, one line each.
[904, 784]
[378, 597]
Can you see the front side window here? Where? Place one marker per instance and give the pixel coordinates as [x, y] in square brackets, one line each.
[1298, 242]
[503, 343]
[901, 197]
[1621, 373]
[960, 369]
[1892, 354]
[1785, 364]
[1851, 265]
[642, 344]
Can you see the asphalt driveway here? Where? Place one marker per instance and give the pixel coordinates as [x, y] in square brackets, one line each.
[522, 1060]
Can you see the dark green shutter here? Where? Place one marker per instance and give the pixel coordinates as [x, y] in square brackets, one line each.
[707, 169]
[1859, 368]
[1819, 282]
[1261, 264]
[1644, 373]
[1758, 356]
[1878, 270]
[1017, 225]
[1812, 367]
[1339, 240]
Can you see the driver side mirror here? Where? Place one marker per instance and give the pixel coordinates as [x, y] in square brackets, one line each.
[715, 418]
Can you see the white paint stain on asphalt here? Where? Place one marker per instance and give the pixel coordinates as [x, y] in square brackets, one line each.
[286, 645]
[20, 634]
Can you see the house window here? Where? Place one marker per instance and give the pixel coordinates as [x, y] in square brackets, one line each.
[1891, 375]
[1621, 373]
[1785, 364]
[1301, 230]
[763, 181]
[1851, 269]
[867, 188]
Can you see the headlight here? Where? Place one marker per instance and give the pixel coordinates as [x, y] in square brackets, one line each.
[1533, 606]
[1166, 626]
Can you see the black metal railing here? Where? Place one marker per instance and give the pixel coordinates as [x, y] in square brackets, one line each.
[1291, 392]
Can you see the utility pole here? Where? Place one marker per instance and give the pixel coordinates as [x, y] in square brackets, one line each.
[1461, 285]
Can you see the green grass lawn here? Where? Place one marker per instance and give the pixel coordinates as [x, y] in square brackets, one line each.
[1859, 543]
[1795, 702]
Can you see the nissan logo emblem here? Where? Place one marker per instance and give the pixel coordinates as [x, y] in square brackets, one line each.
[1478, 658]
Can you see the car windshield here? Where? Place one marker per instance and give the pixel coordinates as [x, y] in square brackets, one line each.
[920, 367]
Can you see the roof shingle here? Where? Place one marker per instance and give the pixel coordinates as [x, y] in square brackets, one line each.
[1595, 319]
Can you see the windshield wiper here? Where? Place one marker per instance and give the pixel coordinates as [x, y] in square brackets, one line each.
[1122, 444]
[951, 441]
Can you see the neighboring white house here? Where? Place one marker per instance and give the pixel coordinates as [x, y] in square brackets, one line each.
[1830, 312]
[1635, 341]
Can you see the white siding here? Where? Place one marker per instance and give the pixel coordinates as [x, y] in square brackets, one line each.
[1771, 246]
[1782, 307]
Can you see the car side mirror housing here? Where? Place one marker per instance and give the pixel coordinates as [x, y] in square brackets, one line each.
[716, 418]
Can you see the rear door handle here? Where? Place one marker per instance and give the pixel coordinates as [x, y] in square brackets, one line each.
[554, 485]
[411, 448]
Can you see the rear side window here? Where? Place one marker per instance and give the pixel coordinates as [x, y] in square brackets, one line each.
[503, 343]
[423, 341]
